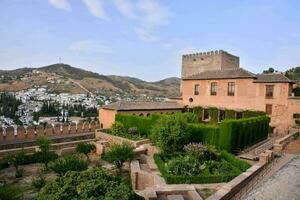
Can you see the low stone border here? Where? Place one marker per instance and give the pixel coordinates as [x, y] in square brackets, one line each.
[281, 143]
[230, 189]
[112, 139]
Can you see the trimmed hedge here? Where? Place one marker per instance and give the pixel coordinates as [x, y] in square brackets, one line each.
[242, 133]
[230, 134]
[200, 179]
[143, 124]
[206, 134]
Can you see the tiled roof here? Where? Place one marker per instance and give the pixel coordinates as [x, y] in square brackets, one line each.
[272, 78]
[222, 74]
[142, 105]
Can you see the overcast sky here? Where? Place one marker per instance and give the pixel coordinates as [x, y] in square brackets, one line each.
[146, 38]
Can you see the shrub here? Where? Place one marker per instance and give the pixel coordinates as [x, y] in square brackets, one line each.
[94, 183]
[240, 164]
[117, 128]
[19, 173]
[85, 148]
[4, 163]
[68, 163]
[38, 182]
[170, 133]
[194, 149]
[185, 165]
[118, 154]
[10, 192]
[44, 154]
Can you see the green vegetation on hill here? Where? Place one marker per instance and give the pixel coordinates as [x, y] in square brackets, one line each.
[293, 74]
[9, 106]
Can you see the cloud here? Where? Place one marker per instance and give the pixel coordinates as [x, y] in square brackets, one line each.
[90, 47]
[147, 13]
[95, 7]
[144, 35]
[61, 4]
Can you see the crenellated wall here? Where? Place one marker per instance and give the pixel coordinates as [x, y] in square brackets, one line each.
[212, 60]
[19, 133]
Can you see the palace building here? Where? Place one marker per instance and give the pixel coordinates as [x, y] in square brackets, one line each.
[215, 79]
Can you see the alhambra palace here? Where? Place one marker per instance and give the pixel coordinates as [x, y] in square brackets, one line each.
[215, 79]
[245, 122]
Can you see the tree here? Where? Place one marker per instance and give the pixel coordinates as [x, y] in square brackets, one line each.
[44, 155]
[94, 183]
[269, 71]
[85, 148]
[117, 128]
[170, 133]
[118, 154]
[68, 163]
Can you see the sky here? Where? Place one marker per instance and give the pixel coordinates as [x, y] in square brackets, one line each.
[146, 38]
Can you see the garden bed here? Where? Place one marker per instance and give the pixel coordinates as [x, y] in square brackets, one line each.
[223, 169]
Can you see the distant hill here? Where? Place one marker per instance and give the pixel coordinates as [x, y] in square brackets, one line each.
[65, 78]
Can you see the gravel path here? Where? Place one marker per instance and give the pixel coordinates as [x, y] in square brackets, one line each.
[283, 185]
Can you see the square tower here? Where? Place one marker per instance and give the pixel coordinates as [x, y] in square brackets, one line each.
[204, 61]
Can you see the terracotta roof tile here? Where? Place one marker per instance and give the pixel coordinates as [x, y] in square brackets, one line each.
[222, 74]
[142, 105]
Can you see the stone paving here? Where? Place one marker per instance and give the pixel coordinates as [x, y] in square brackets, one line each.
[283, 185]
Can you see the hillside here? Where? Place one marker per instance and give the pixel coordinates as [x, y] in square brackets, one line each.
[65, 78]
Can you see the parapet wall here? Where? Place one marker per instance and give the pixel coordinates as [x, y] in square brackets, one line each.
[211, 60]
[19, 133]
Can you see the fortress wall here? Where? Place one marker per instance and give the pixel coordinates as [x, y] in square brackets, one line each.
[9, 134]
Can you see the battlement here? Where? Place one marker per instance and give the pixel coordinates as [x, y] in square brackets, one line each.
[212, 60]
[18, 133]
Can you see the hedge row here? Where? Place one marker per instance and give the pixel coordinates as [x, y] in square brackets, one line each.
[200, 179]
[230, 134]
[143, 124]
[206, 134]
[242, 133]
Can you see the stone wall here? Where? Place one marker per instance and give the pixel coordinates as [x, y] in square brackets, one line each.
[112, 139]
[19, 133]
[212, 60]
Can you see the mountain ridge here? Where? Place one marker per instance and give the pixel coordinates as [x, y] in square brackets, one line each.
[95, 81]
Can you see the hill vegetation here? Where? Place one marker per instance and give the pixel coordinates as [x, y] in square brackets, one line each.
[73, 80]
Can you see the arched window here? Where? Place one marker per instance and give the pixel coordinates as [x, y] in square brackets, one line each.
[133, 113]
[141, 114]
[148, 114]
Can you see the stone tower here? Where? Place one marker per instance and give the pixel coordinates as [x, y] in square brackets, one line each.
[213, 60]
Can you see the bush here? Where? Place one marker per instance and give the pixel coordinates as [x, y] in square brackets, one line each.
[94, 183]
[68, 163]
[38, 182]
[170, 133]
[118, 154]
[19, 173]
[85, 148]
[117, 128]
[240, 164]
[10, 192]
[133, 130]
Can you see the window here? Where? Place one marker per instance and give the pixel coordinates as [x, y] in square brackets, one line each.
[221, 115]
[269, 109]
[191, 100]
[213, 89]
[231, 88]
[196, 89]
[205, 116]
[141, 114]
[269, 91]
[101, 125]
[239, 115]
[296, 115]
[148, 114]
